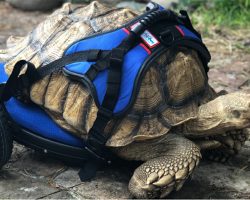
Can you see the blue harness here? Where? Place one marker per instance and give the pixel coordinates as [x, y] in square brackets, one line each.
[112, 65]
[132, 67]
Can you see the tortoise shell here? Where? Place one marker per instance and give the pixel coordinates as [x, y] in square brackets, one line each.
[169, 94]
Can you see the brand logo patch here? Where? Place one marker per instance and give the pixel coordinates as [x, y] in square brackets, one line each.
[148, 38]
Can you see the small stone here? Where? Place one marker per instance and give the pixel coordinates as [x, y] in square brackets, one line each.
[132, 5]
[167, 3]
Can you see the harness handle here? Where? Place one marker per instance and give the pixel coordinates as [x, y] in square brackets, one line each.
[12, 86]
[155, 17]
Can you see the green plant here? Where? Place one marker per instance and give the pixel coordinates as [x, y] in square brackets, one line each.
[233, 13]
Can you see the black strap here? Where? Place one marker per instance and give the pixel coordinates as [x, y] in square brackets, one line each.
[200, 48]
[89, 55]
[96, 140]
[19, 85]
[88, 171]
[97, 67]
[188, 23]
[172, 37]
[102, 64]
[95, 143]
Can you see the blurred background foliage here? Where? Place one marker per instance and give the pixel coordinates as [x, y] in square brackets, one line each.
[228, 13]
[222, 22]
[231, 13]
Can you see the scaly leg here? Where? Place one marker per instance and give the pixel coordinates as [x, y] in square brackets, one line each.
[231, 143]
[169, 162]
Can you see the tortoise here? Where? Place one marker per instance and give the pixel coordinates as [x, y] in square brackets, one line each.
[176, 116]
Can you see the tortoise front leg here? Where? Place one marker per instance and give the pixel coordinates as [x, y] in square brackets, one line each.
[226, 112]
[169, 162]
[231, 143]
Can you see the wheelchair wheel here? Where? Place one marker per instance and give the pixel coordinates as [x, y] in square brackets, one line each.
[6, 140]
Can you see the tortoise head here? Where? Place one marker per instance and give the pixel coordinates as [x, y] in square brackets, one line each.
[222, 122]
[236, 108]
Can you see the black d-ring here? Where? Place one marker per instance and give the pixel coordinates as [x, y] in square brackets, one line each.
[167, 37]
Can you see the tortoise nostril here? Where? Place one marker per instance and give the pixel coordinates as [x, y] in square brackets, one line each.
[236, 113]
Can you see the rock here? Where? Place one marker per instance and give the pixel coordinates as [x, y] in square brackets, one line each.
[132, 5]
[15, 185]
[244, 85]
[140, 6]
[247, 43]
[167, 3]
[48, 180]
[35, 5]
[80, 1]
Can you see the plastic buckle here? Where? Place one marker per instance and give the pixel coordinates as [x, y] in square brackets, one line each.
[167, 37]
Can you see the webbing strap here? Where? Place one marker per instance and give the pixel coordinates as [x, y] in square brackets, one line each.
[172, 37]
[95, 143]
[96, 140]
[200, 48]
[188, 23]
[102, 64]
[97, 67]
[19, 85]
[89, 55]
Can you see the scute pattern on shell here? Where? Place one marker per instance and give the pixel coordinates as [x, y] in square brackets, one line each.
[170, 92]
[156, 109]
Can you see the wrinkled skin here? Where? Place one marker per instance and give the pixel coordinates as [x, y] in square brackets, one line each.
[217, 132]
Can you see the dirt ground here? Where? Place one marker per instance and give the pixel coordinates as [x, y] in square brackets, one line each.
[30, 175]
